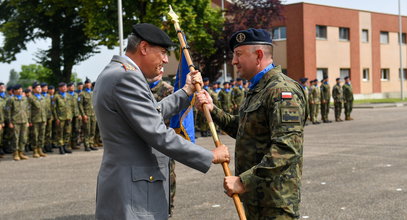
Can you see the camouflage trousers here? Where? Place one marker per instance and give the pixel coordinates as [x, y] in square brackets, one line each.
[38, 135]
[97, 140]
[76, 131]
[1, 135]
[19, 136]
[172, 183]
[89, 129]
[48, 132]
[324, 111]
[266, 213]
[314, 113]
[63, 132]
[348, 105]
[203, 126]
[338, 110]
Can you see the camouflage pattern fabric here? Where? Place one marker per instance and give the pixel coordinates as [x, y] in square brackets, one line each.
[38, 119]
[269, 142]
[338, 99]
[76, 122]
[237, 98]
[315, 99]
[225, 99]
[86, 109]
[62, 111]
[2, 118]
[267, 213]
[48, 127]
[325, 99]
[18, 113]
[348, 98]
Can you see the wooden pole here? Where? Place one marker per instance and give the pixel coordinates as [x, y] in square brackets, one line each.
[225, 165]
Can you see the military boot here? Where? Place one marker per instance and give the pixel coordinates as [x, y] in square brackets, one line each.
[93, 148]
[42, 154]
[22, 155]
[68, 151]
[16, 157]
[35, 153]
[87, 148]
[61, 150]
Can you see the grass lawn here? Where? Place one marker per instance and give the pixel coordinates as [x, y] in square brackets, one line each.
[388, 100]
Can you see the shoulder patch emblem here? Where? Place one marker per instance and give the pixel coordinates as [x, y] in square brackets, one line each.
[128, 67]
[290, 115]
[286, 95]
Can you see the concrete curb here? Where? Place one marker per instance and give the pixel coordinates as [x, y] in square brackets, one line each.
[381, 105]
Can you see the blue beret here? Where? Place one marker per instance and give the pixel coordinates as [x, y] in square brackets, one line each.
[250, 36]
[51, 87]
[18, 86]
[152, 34]
[35, 84]
[44, 84]
[61, 84]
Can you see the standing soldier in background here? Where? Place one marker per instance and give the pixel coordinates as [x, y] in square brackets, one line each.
[37, 120]
[325, 99]
[215, 93]
[347, 98]
[8, 133]
[17, 109]
[315, 101]
[203, 126]
[63, 114]
[76, 117]
[48, 125]
[88, 115]
[225, 98]
[28, 138]
[2, 116]
[79, 90]
[237, 96]
[338, 99]
[97, 141]
[303, 83]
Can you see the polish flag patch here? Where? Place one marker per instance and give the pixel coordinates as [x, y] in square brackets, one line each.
[286, 95]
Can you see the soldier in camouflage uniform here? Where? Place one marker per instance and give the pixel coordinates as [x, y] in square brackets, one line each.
[347, 98]
[203, 125]
[268, 131]
[88, 115]
[315, 101]
[215, 93]
[303, 83]
[237, 95]
[18, 113]
[325, 99]
[160, 90]
[37, 120]
[2, 116]
[338, 99]
[48, 125]
[225, 98]
[76, 117]
[63, 114]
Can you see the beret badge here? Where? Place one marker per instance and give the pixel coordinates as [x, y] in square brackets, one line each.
[240, 37]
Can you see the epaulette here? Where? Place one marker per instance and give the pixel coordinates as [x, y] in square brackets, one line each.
[128, 67]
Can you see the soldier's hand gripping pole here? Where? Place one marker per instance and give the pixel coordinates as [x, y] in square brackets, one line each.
[226, 170]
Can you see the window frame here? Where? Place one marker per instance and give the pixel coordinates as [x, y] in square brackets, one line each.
[367, 36]
[317, 33]
[346, 31]
[278, 29]
[387, 37]
[385, 72]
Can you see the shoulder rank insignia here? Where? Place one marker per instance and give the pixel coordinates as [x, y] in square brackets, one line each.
[127, 67]
[286, 95]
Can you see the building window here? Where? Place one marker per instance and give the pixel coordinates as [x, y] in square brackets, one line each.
[405, 74]
[321, 73]
[344, 72]
[279, 33]
[384, 37]
[344, 34]
[321, 32]
[403, 38]
[385, 74]
[365, 36]
[365, 75]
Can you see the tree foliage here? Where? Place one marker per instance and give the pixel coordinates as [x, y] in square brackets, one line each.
[13, 77]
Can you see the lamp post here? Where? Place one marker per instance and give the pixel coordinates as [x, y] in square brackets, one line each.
[120, 19]
[401, 55]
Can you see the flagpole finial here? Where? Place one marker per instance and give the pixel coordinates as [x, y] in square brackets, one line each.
[174, 17]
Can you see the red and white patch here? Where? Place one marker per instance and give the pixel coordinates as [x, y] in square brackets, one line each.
[286, 95]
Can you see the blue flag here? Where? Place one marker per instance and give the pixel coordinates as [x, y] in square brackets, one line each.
[183, 123]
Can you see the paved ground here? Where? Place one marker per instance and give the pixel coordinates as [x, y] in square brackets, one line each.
[352, 170]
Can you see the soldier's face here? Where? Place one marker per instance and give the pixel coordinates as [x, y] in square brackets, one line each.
[80, 87]
[156, 57]
[37, 89]
[71, 88]
[245, 60]
[18, 91]
[62, 89]
[44, 89]
[88, 85]
[2, 88]
[51, 91]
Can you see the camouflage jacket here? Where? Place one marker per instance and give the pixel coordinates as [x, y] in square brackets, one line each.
[237, 96]
[38, 109]
[48, 105]
[18, 110]
[162, 90]
[2, 110]
[85, 103]
[74, 103]
[315, 95]
[269, 141]
[61, 107]
[225, 100]
[215, 97]
[337, 93]
[325, 92]
[347, 92]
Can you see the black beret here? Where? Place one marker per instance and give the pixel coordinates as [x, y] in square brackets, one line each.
[87, 80]
[303, 80]
[325, 77]
[239, 79]
[9, 88]
[51, 87]
[205, 79]
[35, 84]
[347, 77]
[70, 84]
[250, 36]
[18, 86]
[27, 90]
[44, 84]
[338, 79]
[152, 34]
[79, 83]
[1, 84]
[217, 83]
[226, 83]
[61, 84]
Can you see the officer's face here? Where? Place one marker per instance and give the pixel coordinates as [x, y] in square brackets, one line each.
[245, 60]
[156, 57]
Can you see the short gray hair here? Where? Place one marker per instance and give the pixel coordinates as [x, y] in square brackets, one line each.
[132, 42]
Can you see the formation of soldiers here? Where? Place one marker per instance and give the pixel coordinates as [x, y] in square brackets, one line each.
[42, 118]
[319, 99]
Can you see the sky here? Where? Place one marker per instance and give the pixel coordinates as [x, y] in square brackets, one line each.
[95, 64]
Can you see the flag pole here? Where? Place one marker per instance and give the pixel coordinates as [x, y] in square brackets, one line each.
[120, 24]
[225, 165]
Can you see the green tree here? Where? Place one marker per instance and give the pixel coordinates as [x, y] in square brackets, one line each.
[13, 78]
[77, 27]
[33, 73]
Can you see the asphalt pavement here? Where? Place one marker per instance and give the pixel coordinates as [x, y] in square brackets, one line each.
[353, 170]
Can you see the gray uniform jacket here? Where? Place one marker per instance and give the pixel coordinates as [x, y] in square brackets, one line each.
[133, 178]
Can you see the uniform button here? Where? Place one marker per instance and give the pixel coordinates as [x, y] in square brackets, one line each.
[151, 178]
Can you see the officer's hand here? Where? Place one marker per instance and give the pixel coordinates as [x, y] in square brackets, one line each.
[11, 125]
[192, 79]
[233, 185]
[201, 98]
[80, 118]
[28, 125]
[221, 154]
